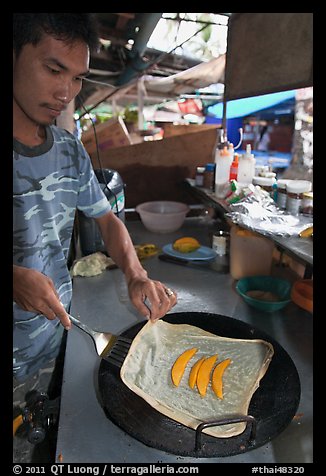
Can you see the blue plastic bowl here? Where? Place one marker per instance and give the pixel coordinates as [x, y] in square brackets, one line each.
[277, 286]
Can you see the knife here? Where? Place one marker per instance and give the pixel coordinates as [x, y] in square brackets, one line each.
[219, 264]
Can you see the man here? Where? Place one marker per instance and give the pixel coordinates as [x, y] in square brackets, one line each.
[52, 177]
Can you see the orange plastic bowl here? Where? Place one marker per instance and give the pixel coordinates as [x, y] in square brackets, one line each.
[302, 294]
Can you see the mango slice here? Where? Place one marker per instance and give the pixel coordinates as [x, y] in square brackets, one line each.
[217, 382]
[180, 365]
[146, 250]
[204, 374]
[187, 244]
[194, 372]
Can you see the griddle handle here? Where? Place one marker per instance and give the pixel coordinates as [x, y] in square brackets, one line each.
[226, 421]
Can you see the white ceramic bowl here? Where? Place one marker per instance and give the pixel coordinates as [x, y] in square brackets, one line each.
[162, 216]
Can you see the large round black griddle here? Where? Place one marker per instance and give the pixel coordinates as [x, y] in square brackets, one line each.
[272, 406]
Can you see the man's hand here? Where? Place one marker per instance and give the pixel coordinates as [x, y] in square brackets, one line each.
[151, 298]
[35, 292]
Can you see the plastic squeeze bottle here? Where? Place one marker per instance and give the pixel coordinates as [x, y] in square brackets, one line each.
[223, 160]
[246, 167]
[234, 168]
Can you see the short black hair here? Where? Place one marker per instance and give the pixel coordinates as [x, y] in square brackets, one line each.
[30, 27]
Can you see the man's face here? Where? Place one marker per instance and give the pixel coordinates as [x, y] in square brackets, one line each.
[46, 78]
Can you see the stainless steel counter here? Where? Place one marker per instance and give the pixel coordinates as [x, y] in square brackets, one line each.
[86, 435]
[301, 249]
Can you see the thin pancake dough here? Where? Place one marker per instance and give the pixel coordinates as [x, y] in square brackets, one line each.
[147, 372]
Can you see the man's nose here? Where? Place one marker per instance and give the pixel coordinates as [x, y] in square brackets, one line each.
[64, 92]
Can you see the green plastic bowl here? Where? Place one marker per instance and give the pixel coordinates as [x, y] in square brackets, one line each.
[277, 286]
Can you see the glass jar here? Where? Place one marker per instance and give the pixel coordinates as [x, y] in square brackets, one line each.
[295, 190]
[308, 204]
[281, 193]
[209, 176]
[199, 178]
[266, 183]
[220, 242]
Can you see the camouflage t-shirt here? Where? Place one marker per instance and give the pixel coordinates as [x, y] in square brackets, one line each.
[49, 182]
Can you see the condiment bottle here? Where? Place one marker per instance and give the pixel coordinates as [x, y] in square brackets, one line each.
[246, 167]
[234, 167]
[223, 161]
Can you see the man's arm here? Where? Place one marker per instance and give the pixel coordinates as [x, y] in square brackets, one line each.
[35, 292]
[121, 249]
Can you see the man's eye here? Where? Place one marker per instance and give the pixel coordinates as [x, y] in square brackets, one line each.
[53, 71]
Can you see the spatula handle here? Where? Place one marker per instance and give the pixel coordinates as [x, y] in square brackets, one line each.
[81, 325]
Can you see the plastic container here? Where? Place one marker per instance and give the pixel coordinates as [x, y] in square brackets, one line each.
[302, 294]
[246, 167]
[268, 174]
[89, 234]
[260, 170]
[295, 190]
[250, 254]
[162, 216]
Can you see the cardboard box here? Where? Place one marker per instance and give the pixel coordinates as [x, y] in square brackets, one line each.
[112, 133]
[180, 129]
[156, 170]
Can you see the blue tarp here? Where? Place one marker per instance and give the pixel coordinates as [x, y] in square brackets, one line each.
[245, 106]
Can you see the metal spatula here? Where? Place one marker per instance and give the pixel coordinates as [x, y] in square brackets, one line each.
[110, 347]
